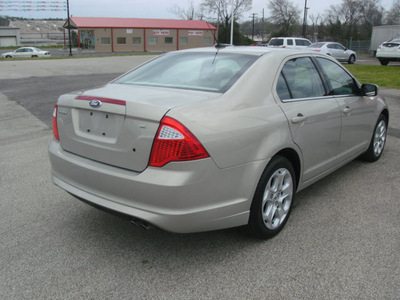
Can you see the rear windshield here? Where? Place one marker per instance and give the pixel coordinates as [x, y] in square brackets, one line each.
[316, 45]
[215, 72]
[275, 42]
[392, 43]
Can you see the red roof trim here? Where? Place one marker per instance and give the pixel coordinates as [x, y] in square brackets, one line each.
[89, 22]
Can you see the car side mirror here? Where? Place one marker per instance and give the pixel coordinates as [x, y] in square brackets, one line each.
[369, 90]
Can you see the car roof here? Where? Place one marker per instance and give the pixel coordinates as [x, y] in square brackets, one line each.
[251, 50]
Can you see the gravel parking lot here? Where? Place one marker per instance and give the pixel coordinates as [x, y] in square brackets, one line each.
[341, 242]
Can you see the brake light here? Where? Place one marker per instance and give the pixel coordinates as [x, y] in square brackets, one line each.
[317, 50]
[55, 128]
[174, 142]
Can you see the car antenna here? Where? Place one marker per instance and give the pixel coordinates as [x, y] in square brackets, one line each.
[217, 45]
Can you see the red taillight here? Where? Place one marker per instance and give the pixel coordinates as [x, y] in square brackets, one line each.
[317, 50]
[55, 128]
[174, 142]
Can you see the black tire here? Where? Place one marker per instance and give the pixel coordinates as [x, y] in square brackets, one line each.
[378, 141]
[384, 62]
[8, 56]
[352, 59]
[278, 184]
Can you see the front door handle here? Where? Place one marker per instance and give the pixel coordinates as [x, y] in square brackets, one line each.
[300, 118]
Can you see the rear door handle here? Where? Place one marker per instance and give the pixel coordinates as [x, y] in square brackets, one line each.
[300, 118]
[347, 110]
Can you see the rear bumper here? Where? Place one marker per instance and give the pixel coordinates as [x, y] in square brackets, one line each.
[387, 56]
[180, 197]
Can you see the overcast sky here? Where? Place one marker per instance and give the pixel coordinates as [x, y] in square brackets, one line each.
[160, 8]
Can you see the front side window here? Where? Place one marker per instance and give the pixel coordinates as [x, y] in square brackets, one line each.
[339, 47]
[215, 72]
[341, 82]
[301, 78]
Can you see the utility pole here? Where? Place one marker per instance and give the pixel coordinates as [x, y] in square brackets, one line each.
[305, 18]
[69, 30]
[252, 30]
[232, 21]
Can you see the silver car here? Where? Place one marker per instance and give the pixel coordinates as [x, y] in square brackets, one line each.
[206, 139]
[26, 52]
[335, 50]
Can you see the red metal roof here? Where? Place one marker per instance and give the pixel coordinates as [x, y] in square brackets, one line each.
[89, 22]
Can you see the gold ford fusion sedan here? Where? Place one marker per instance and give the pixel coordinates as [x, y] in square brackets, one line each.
[213, 138]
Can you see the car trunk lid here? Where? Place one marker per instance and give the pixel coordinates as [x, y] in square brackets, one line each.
[117, 124]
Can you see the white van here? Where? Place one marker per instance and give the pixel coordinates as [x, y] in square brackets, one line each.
[289, 42]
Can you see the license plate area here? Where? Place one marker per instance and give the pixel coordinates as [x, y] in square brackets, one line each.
[99, 124]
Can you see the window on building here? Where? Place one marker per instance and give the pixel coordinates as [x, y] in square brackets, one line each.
[152, 41]
[105, 40]
[207, 41]
[137, 40]
[121, 40]
[168, 40]
[183, 41]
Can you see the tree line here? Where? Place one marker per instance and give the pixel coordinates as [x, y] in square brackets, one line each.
[350, 19]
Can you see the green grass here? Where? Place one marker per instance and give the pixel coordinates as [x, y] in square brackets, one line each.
[383, 76]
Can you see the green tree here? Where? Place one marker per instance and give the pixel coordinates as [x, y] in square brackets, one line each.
[393, 15]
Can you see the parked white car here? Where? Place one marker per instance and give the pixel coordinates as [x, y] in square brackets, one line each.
[26, 52]
[289, 42]
[336, 50]
[388, 51]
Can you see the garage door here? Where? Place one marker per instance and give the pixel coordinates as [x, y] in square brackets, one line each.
[8, 41]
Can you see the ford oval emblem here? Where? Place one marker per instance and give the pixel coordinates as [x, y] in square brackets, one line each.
[95, 103]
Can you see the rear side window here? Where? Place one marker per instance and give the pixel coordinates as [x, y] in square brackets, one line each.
[290, 42]
[341, 82]
[300, 79]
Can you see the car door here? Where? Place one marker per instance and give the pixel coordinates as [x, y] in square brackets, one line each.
[332, 51]
[341, 52]
[19, 53]
[314, 118]
[357, 111]
[28, 52]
